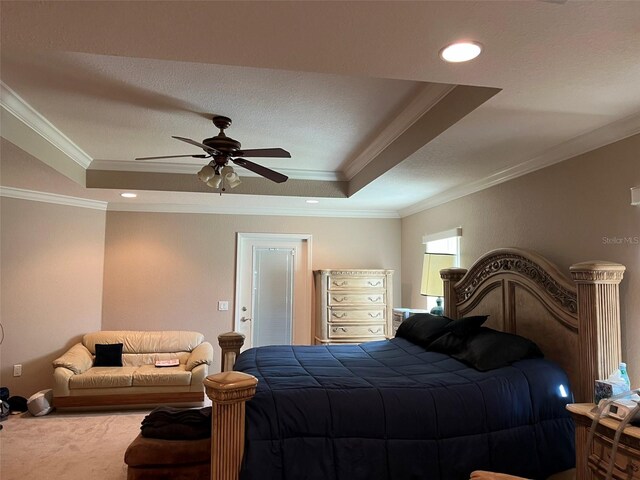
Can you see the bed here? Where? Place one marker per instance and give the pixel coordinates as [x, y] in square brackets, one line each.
[391, 409]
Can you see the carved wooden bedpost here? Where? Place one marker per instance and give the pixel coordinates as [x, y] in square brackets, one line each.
[451, 276]
[599, 328]
[228, 391]
[230, 344]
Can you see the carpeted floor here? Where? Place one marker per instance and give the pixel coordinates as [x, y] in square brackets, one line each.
[67, 446]
[75, 446]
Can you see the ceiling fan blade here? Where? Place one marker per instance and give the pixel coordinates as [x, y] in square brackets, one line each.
[197, 144]
[264, 152]
[172, 156]
[260, 170]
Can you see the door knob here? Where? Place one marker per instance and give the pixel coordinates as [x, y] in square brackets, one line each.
[245, 319]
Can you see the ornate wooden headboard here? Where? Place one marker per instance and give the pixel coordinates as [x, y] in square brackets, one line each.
[576, 324]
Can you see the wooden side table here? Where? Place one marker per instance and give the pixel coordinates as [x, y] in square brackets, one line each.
[596, 463]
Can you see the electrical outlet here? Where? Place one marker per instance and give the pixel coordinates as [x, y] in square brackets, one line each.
[17, 370]
[223, 305]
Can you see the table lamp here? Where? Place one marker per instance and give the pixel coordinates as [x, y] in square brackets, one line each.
[432, 285]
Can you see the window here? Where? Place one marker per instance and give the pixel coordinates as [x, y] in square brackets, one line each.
[443, 242]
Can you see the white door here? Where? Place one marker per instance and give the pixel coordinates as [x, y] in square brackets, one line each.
[273, 282]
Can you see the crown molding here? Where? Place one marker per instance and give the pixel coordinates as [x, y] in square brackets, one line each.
[243, 210]
[45, 197]
[19, 108]
[190, 168]
[584, 143]
[54, 198]
[425, 100]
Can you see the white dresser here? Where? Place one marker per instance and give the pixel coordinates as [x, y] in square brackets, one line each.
[353, 306]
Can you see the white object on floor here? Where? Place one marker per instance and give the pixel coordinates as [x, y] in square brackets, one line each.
[40, 403]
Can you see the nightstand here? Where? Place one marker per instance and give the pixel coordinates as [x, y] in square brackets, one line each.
[627, 460]
[401, 314]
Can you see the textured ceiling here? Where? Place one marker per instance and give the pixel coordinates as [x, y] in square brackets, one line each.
[323, 80]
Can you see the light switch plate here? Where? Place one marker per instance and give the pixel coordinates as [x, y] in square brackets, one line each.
[223, 305]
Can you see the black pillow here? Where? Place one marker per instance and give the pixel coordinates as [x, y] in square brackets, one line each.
[463, 327]
[488, 349]
[448, 344]
[453, 337]
[422, 328]
[108, 355]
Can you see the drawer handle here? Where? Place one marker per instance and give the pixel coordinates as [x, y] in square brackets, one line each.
[374, 284]
[377, 330]
[374, 299]
[336, 299]
[340, 284]
[377, 315]
[339, 315]
[335, 329]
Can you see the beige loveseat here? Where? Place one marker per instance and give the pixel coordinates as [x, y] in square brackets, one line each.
[78, 383]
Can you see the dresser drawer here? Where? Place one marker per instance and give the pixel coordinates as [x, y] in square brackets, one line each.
[336, 298]
[340, 315]
[337, 282]
[361, 331]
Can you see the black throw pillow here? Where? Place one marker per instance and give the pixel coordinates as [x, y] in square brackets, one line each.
[108, 355]
[422, 328]
[488, 349]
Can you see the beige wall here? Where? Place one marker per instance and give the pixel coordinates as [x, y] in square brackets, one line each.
[168, 271]
[565, 212]
[51, 287]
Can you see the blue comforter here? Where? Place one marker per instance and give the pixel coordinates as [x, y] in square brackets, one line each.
[391, 410]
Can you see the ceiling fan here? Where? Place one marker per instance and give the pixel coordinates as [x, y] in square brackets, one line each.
[222, 149]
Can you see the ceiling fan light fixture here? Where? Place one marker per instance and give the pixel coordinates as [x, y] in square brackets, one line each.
[233, 180]
[206, 173]
[230, 177]
[460, 52]
[215, 181]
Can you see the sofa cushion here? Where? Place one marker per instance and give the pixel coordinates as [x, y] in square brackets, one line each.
[145, 342]
[103, 377]
[139, 359]
[150, 375]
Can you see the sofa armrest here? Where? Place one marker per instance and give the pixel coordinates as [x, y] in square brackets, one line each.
[198, 374]
[78, 359]
[202, 354]
[61, 376]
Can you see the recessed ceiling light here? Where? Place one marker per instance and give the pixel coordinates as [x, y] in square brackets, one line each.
[129, 195]
[313, 201]
[460, 52]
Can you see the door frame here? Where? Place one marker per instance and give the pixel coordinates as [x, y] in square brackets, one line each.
[303, 298]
